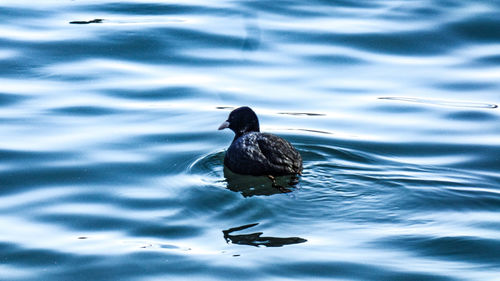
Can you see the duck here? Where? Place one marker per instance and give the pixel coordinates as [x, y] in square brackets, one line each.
[255, 153]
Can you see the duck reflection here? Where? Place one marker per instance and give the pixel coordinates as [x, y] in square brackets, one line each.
[255, 239]
[251, 185]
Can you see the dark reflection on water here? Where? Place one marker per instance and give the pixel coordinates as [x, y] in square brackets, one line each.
[256, 239]
[86, 21]
[251, 185]
[212, 168]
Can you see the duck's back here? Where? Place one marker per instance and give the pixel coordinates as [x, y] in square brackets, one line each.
[263, 154]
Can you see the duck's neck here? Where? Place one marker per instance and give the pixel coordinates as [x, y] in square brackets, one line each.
[249, 127]
[237, 135]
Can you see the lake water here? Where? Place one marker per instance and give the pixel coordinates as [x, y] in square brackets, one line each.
[111, 162]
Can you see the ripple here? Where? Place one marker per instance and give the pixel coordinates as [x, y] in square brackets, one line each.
[103, 173]
[302, 113]
[394, 43]
[345, 270]
[155, 9]
[85, 111]
[209, 164]
[10, 99]
[314, 131]
[489, 60]
[334, 59]
[10, 12]
[400, 109]
[170, 93]
[474, 249]
[472, 116]
[481, 28]
[289, 8]
[442, 102]
[168, 231]
[468, 87]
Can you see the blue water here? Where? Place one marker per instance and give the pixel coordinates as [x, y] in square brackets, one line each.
[111, 162]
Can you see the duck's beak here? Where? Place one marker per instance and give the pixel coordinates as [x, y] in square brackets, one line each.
[224, 125]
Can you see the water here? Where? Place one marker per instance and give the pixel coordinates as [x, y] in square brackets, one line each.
[111, 164]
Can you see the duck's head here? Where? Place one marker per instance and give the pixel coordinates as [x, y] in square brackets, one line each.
[241, 120]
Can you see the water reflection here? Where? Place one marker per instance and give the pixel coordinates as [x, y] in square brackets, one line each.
[251, 185]
[255, 239]
[86, 21]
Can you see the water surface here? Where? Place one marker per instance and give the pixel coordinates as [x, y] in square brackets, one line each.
[111, 162]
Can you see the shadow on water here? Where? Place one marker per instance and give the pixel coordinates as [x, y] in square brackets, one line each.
[255, 239]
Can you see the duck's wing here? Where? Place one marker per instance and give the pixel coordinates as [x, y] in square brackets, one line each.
[281, 155]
